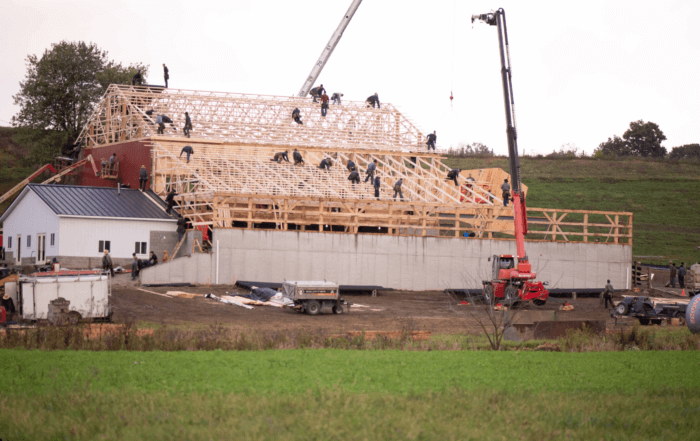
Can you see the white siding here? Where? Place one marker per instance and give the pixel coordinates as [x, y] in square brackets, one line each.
[80, 237]
[31, 217]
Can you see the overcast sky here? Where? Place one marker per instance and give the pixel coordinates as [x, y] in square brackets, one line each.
[581, 72]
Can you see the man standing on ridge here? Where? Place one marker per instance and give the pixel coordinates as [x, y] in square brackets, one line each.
[166, 75]
[371, 169]
[143, 178]
[505, 188]
[188, 125]
[432, 138]
[324, 104]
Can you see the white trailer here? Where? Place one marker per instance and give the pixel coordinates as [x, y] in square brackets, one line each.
[88, 295]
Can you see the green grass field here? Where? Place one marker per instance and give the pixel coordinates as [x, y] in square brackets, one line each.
[663, 195]
[335, 394]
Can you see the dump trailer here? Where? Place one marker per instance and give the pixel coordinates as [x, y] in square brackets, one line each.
[313, 297]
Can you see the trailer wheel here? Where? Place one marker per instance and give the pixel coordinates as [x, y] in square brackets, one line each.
[74, 317]
[644, 321]
[313, 307]
[338, 309]
[622, 308]
[681, 318]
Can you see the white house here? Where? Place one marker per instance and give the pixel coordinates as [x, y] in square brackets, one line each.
[76, 224]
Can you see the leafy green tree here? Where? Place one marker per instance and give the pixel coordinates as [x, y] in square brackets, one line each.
[614, 146]
[470, 150]
[645, 139]
[59, 93]
[688, 151]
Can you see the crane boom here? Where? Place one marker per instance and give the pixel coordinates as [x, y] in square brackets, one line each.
[328, 50]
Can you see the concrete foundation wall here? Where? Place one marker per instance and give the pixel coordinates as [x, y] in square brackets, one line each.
[414, 263]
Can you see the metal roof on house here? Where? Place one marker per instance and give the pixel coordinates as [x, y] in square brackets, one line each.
[75, 200]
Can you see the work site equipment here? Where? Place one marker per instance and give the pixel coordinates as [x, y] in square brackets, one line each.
[650, 311]
[314, 296]
[328, 50]
[54, 178]
[513, 281]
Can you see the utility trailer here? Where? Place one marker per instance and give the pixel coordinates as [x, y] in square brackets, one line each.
[313, 297]
[649, 311]
[87, 296]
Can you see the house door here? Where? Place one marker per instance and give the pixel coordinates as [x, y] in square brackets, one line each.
[19, 249]
[41, 249]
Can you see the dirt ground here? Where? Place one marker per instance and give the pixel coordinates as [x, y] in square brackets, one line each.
[433, 311]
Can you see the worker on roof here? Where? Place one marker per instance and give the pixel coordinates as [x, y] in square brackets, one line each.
[296, 116]
[452, 174]
[281, 156]
[161, 126]
[188, 125]
[324, 104]
[166, 75]
[189, 150]
[170, 200]
[432, 138]
[336, 98]
[181, 229]
[354, 177]
[137, 79]
[373, 100]
[143, 178]
[153, 260]
[371, 169]
[298, 160]
[505, 187]
[316, 92]
[112, 162]
[107, 263]
[397, 189]
[607, 295]
[326, 164]
[377, 184]
[351, 165]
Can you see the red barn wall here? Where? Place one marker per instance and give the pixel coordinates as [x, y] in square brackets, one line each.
[131, 156]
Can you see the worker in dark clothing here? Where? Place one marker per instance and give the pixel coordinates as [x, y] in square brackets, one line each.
[371, 169]
[432, 138]
[297, 157]
[166, 74]
[188, 125]
[134, 266]
[373, 100]
[112, 162]
[188, 150]
[143, 178]
[153, 259]
[137, 79]
[505, 187]
[9, 306]
[354, 177]
[170, 200]
[296, 116]
[672, 269]
[397, 189]
[681, 275]
[607, 295]
[377, 184]
[161, 126]
[107, 263]
[336, 98]
[326, 164]
[166, 119]
[452, 174]
[181, 228]
[316, 92]
[279, 157]
[351, 165]
[324, 104]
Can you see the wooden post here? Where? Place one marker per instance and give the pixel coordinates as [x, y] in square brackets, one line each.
[585, 227]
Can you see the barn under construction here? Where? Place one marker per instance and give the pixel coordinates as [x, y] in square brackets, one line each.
[232, 185]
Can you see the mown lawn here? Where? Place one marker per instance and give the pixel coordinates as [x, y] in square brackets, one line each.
[663, 195]
[336, 394]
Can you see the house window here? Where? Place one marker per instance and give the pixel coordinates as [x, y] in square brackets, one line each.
[29, 241]
[140, 248]
[104, 245]
[53, 239]
[9, 242]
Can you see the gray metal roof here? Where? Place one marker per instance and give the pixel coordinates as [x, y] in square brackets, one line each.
[75, 200]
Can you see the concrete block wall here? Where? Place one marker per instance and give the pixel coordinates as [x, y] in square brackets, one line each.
[414, 263]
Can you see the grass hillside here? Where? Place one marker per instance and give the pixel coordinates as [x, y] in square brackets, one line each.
[663, 195]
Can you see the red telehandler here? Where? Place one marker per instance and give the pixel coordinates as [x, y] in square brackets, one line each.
[513, 280]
